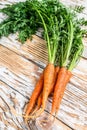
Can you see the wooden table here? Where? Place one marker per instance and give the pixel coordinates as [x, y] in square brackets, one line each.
[20, 67]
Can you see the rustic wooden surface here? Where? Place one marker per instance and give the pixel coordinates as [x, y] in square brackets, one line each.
[20, 67]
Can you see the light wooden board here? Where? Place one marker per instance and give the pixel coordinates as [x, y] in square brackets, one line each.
[27, 73]
[18, 76]
[20, 67]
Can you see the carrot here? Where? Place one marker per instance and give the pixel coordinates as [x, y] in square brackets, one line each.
[39, 102]
[53, 74]
[66, 80]
[49, 74]
[35, 95]
[55, 78]
[49, 80]
[57, 90]
[56, 75]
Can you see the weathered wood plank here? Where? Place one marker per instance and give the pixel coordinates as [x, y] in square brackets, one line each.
[79, 71]
[21, 69]
[23, 50]
[12, 100]
[18, 77]
[37, 52]
[24, 77]
[8, 102]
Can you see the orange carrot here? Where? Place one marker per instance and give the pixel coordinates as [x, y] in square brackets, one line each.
[35, 94]
[57, 90]
[49, 80]
[56, 75]
[66, 80]
[39, 102]
[49, 74]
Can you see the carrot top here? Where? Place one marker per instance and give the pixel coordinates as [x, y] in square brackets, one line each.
[61, 27]
[71, 45]
[52, 43]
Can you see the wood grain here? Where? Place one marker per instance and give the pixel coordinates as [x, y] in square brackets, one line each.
[26, 74]
[8, 102]
[20, 80]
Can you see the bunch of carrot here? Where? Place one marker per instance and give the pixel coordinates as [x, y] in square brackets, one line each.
[63, 35]
[65, 46]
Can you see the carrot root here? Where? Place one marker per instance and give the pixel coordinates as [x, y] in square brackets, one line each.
[39, 102]
[66, 80]
[49, 92]
[34, 95]
[49, 73]
[47, 80]
[57, 89]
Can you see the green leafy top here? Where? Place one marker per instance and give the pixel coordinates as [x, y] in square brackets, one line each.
[21, 18]
[79, 9]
